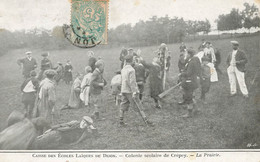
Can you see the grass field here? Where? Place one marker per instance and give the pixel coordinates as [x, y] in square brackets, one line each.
[223, 123]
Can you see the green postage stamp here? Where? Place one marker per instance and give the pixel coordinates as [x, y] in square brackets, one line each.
[89, 21]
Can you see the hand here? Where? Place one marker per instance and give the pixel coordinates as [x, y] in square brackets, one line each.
[134, 95]
[179, 74]
[101, 84]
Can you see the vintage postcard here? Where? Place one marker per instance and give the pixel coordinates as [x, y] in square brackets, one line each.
[129, 80]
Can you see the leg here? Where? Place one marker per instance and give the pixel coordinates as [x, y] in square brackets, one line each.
[124, 106]
[232, 80]
[30, 110]
[241, 82]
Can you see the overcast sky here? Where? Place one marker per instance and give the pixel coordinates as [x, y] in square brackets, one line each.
[26, 14]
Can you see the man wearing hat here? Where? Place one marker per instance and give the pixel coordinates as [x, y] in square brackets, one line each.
[45, 65]
[47, 95]
[29, 90]
[129, 90]
[27, 64]
[236, 62]
[97, 83]
[189, 81]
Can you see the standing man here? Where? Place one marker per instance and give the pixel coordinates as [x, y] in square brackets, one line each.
[45, 65]
[129, 90]
[236, 71]
[27, 64]
[47, 95]
[91, 60]
[189, 81]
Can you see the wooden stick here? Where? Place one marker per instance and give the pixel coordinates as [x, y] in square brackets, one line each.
[169, 90]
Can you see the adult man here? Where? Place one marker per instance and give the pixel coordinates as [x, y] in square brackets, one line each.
[129, 90]
[189, 81]
[91, 60]
[45, 65]
[97, 83]
[28, 64]
[236, 62]
[47, 95]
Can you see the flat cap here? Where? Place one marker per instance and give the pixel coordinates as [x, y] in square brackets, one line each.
[234, 42]
[28, 52]
[130, 49]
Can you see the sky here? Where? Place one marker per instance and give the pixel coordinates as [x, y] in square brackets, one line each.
[28, 14]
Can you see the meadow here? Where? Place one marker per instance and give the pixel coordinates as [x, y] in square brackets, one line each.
[223, 123]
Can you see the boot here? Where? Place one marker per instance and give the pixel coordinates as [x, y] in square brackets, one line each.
[149, 123]
[122, 123]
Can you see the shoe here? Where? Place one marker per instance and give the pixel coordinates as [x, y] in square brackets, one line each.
[181, 103]
[149, 123]
[122, 124]
[158, 107]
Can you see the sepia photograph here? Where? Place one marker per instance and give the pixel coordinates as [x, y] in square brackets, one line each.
[114, 75]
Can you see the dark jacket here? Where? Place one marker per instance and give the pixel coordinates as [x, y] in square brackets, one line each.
[28, 65]
[140, 73]
[241, 60]
[96, 78]
[91, 63]
[191, 72]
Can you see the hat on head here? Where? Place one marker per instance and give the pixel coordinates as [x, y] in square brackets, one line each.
[130, 49]
[234, 42]
[45, 54]
[33, 73]
[50, 72]
[28, 52]
[129, 58]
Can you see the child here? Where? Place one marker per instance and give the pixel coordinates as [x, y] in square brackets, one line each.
[85, 86]
[29, 89]
[116, 86]
[205, 78]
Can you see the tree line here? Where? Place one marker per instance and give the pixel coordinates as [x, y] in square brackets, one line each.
[247, 18]
[144, 33]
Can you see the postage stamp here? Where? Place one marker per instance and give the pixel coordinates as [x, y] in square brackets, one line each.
[89, 22]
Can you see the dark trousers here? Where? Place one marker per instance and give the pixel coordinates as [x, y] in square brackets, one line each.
[28, 100]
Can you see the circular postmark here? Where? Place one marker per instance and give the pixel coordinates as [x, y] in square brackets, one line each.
[88, 23]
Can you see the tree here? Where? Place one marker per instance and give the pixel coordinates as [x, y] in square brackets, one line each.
[250, 16]
[231, 21]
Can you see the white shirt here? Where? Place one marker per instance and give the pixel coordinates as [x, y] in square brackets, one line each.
[233, 58]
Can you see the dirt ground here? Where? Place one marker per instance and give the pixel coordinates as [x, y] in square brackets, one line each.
[223, 123]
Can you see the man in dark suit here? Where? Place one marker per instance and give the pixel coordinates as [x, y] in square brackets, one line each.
[189, 81]
[28, 64]
[236, 62]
